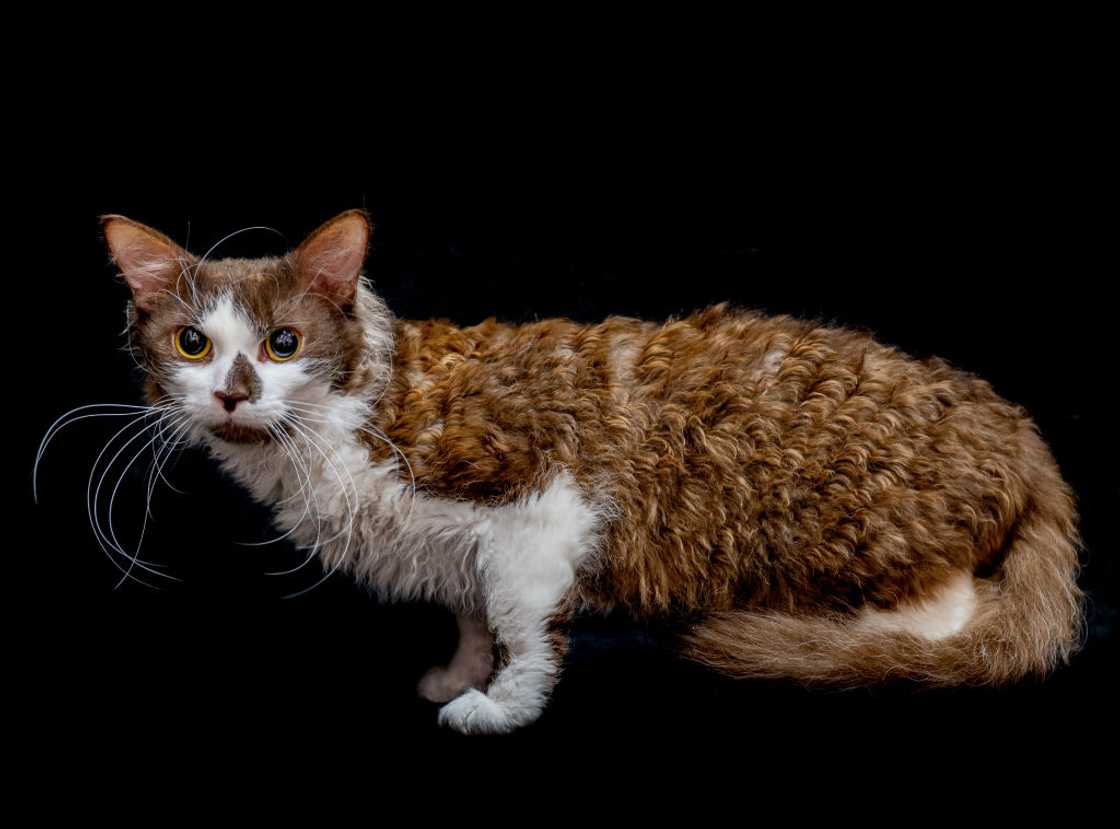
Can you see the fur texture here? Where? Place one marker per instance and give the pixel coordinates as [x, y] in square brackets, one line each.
[806, 502]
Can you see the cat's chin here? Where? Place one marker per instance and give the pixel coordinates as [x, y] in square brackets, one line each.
[237, 433]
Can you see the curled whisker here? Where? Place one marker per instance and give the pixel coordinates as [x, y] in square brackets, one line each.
[341, 532]
[111, 538]
[170, 445]
[314, 548]
[304, 480]
[308, 435]
[370, 430]
[107, 544]
[62, 422]
[103, 541]
[181, 423]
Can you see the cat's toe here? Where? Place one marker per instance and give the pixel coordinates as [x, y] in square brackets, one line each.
[441, 685]
[476, 713]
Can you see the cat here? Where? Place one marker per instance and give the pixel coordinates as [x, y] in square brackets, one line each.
[800, 500]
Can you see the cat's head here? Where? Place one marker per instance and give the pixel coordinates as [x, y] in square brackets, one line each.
[239, 345]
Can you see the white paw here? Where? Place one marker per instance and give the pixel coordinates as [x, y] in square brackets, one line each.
[476, 713]
[442, 685]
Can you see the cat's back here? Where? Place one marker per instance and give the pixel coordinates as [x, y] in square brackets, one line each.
[487, 410]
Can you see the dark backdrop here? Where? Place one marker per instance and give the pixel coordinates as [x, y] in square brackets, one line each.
[965, 233]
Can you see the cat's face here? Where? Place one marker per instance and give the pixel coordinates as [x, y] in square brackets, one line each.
[236, 346]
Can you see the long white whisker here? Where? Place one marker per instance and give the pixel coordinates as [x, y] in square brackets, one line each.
[93, 496]
[314, 548]
[103, 541]
[135, 557]
[374, 432]
[303, 488]
[111, 538]
[309, 437]
[59, 425]
[168, 449]
[170, 445]
[342, 531]
[319, 540]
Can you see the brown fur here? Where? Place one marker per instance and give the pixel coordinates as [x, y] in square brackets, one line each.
[770, 477]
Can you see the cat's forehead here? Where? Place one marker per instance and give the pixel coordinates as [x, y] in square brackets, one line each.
[256, 287]
[245, 277]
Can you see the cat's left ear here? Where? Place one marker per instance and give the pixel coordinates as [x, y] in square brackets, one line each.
[330, 260]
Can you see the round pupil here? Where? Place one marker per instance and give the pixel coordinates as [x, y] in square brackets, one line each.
[192, 340]
[284, 342]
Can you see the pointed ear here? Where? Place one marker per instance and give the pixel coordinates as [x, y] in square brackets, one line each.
[330, 259]
[148, 260]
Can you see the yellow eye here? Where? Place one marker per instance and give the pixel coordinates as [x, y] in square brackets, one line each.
[191, 343]
[283, 344]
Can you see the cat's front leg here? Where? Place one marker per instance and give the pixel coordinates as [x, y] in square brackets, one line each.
[528, 556]
[519, 691]
[470, 667]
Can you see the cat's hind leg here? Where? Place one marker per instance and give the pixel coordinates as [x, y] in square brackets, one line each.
[470, 667]
[529, 552]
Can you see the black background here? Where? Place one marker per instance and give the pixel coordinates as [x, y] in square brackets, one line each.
[950, 216]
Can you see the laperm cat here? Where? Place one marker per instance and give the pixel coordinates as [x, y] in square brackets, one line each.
[806, 502]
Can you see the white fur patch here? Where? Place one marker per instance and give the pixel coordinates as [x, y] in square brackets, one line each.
[939, 617]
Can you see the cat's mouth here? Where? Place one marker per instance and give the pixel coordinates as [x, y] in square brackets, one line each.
[237, 433]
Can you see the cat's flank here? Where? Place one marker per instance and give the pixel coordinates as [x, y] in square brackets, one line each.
[805, 502]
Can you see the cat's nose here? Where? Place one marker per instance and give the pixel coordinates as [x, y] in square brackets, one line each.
[229, 400]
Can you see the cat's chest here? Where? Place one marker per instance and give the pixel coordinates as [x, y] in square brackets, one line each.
[312, 480]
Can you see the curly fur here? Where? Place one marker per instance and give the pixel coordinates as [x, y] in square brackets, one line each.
[771, 476]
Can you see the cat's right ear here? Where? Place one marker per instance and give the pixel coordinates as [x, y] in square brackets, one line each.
[148, 260]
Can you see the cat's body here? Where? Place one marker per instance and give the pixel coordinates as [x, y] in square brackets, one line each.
[804, 501]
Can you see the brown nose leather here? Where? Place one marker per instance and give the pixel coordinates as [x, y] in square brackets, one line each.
[230, 400]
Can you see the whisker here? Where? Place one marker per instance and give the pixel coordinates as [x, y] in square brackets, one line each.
[92, 496]
[304, 481]
[167, 450]
[147, 506]
[320, 541]
[171, 445]
[102, 541]
[374, 432]
[59, 425]
[341, 532]
[309, 437]
[314, 549]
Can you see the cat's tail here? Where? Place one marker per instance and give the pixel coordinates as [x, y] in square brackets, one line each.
[1026, 620]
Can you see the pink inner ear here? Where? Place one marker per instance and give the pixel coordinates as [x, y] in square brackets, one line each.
[149, 263]
[332, 258]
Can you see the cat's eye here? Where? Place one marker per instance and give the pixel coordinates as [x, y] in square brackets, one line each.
[191, 343]
[283, 344]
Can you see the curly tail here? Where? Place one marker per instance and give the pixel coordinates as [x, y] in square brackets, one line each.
[1027, 620]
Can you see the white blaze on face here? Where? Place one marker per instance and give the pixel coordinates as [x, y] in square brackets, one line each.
[231, 333]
